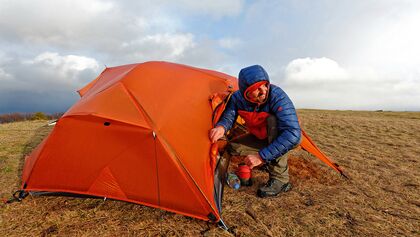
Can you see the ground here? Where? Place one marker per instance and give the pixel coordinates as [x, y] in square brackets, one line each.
[379, 151]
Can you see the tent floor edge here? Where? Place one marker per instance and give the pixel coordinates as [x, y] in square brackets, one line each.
[63, 194]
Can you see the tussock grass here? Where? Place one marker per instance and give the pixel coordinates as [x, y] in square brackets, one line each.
[378, 150]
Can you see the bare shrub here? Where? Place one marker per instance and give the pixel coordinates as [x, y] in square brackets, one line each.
[39, 116]
[15, 117]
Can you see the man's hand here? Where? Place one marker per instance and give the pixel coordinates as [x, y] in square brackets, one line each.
[253, 160]
[216, 133]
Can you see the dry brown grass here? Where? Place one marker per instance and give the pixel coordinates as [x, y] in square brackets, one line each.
[378, 150]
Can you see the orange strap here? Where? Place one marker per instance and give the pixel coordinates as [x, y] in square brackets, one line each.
[218, 105]
[308, 145]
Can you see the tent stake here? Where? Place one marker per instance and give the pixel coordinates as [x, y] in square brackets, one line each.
[223, 225]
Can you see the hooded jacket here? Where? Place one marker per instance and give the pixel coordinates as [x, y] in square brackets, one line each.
[277, 103]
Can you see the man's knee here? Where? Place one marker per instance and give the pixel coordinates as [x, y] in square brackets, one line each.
[281, 160]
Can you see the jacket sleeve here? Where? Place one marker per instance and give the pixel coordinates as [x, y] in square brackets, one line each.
[230, 114]
[289, 132]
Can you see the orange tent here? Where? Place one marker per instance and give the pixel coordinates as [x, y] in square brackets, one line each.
[139, 133]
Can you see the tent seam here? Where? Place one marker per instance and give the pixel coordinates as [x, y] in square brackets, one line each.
[114, 179]
[98, 77]
[124, 75]
[107, 165]
[103, 117]
[157, 171]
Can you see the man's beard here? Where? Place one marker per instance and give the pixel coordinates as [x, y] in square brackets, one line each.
[261, 98]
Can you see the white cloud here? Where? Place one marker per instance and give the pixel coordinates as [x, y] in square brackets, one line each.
[386, 39]
[68, 65]
[215, 8]
[53, 21]
[68, 62]
[175, 43]
[166, 46]
[323, 83]
[50, 71]
[230, 43]
[309, 70]
[96, 6]
[100, 24]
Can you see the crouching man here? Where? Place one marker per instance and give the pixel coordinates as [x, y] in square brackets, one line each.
[273, 126]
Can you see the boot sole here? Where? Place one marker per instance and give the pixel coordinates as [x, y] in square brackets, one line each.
[287, 187]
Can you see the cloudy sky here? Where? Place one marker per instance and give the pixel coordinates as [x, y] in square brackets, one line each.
[349, 54]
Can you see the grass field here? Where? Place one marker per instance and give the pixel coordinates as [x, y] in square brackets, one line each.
[380, 151]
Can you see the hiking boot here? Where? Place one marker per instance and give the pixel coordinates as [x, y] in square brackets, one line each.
[272, 188]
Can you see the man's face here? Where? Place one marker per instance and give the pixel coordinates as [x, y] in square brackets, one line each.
[258, 95]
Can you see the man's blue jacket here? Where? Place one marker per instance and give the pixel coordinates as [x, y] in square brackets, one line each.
[277, 104]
